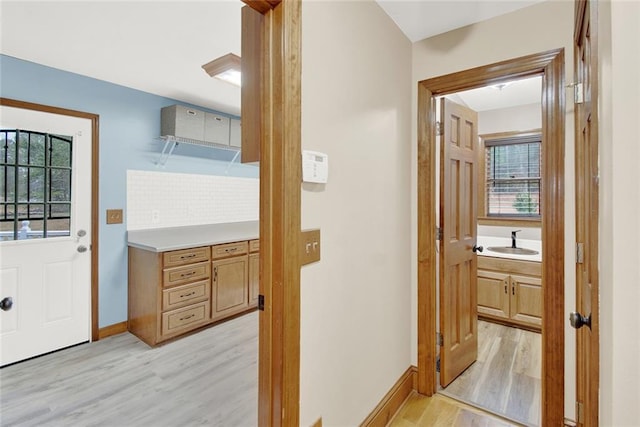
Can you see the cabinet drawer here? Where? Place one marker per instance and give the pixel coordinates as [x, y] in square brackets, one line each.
[186, 256]
[229, 249]
[179, 275]
[186, 318]
[180, 296]
[254, 245]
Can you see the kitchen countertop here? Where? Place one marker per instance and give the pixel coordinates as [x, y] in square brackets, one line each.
[487, 241]
[174, 238]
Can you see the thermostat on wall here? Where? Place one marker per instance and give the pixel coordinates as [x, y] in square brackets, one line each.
[315, 167]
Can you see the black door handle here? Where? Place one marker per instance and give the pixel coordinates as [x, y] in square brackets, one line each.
[477, 248]
[6, 303]
[577, 320]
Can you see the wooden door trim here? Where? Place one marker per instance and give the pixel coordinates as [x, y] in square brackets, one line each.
[95, 164]
[587, 221]
[280, 211]
[550, 65]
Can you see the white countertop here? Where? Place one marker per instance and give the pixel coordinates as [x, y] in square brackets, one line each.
[487, 241]
[170, 239]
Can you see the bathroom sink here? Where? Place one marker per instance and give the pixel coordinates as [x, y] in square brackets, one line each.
[510, 250]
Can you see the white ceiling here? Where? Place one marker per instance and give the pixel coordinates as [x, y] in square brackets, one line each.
[519, 92]
[160, 46]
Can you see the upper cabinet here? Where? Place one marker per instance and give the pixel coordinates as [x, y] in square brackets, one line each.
[199, 127]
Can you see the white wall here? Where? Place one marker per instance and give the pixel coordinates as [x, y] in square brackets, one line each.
[356, 107]
[619, 213]
[544, 26]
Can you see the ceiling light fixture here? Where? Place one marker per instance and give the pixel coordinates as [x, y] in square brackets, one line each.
[225, 68]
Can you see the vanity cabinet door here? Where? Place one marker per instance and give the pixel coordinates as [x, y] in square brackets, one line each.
[526, 299]
[254, 279]
[229, 286]
[493, 294]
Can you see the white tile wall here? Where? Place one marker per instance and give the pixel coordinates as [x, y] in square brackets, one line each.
[162, 199]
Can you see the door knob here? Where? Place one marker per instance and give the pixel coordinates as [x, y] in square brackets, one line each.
[81, 233]
[82, 248]
[577, 320]
[6, 303]
[477, 248]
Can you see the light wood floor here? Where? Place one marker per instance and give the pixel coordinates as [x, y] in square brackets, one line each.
[441, 411]
[209, 378]
[506, 377]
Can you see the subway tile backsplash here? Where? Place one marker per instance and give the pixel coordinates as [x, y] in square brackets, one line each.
[162, 199]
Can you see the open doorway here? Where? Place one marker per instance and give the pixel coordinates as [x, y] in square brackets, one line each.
[549, 65]
[503, 132]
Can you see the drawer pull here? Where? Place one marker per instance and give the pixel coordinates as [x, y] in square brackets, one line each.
[188, 256]
[188, 295]
[230, 250]
[187, 317]
[191, 273]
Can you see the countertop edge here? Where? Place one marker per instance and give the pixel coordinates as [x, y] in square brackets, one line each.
[176, 238]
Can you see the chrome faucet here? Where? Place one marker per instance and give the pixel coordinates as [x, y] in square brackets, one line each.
[513, 238]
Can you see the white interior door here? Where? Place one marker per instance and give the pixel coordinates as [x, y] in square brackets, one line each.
[45, 232]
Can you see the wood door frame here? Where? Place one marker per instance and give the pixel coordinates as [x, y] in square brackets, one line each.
[587, 374]
[95, 165]
[551, 66]
[280, 76]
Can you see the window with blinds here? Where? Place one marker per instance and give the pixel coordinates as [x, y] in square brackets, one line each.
[513, 177]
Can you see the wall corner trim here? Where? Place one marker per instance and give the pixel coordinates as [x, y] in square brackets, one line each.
[393, 400]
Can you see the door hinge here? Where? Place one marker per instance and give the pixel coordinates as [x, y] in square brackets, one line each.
[438, 233]
[438, 128]
[439, 339]
[438, 363]
[580, 412]
[261, 302]
[578, 93]
[579, 253]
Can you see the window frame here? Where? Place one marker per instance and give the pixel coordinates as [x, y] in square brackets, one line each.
[505, 220]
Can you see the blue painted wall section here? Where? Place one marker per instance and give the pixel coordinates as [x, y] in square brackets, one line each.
[129, 128]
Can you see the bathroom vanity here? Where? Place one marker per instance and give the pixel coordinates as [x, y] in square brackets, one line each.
[510, 289]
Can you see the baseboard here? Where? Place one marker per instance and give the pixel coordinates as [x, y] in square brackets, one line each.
[115, 329]
[393, 400]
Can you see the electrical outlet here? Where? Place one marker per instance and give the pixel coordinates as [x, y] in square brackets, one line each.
[155, 216]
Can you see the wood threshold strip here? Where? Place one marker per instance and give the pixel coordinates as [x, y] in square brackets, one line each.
[115, 329]
[393, 400]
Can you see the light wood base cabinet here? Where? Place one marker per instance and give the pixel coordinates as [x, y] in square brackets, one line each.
[510, 292]
[176, 292]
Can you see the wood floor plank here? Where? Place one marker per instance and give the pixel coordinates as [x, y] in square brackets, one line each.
[208, 378]
[505, 379]
[441, 411]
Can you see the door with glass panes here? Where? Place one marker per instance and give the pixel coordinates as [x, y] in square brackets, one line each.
[45, 232]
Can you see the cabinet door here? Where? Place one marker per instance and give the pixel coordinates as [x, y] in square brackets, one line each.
[526, 299]
[254, 279]
[230, 286]
[493, 294]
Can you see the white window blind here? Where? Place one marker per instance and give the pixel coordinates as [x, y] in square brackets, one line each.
[513, 176]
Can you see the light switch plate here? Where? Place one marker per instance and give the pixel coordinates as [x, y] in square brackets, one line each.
[114, 216]
[309, 246]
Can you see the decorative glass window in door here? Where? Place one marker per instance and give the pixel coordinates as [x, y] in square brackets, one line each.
[35, 184]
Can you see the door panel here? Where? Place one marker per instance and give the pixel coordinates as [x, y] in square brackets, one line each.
[41, 267]
[586, 143]
[458, 278]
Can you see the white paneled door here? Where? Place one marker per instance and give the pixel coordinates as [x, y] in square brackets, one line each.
[45, 232]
